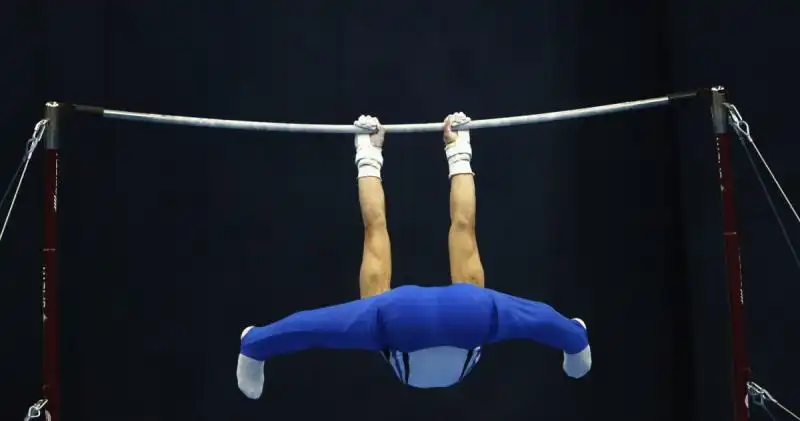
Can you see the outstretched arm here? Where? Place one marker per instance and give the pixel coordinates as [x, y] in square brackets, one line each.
[345, 326]
[376, 261]
[465, 261]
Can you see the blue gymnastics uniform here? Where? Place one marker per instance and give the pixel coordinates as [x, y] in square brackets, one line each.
[432, 336]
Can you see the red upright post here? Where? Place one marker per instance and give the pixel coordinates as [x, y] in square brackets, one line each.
[732, 250]
[51, 381]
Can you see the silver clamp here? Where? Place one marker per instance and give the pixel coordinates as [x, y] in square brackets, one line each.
[35, 411]
[760, 397]
[737, 122]
[30, 147]
[742, 130]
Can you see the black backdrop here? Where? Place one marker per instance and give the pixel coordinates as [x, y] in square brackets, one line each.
[175, 238]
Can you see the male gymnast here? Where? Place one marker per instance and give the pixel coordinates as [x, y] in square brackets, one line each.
[431, 336]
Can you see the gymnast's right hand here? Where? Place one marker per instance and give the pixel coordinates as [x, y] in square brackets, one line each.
[376, 135]
[451, 132]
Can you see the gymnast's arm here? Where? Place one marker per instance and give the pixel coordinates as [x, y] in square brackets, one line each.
[351, 325]
[376, 260]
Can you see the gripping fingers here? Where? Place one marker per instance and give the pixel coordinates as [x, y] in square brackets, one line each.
[368, 122]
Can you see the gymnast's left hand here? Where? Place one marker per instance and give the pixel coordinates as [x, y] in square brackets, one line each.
[377, 132]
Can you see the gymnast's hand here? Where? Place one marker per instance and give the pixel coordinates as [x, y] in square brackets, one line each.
[372, 124]
[452, 122]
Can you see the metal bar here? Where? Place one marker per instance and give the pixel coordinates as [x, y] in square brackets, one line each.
[392, 128]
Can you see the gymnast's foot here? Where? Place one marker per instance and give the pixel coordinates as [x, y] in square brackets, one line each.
[578, 365]
[250, 374]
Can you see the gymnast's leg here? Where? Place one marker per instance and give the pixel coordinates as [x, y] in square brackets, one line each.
[350, 325]
[519, 318]
[465, 261]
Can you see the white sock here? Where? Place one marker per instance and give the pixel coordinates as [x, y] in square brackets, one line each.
[578, 365]
[250, 374]
[459, 155]
[369, 158]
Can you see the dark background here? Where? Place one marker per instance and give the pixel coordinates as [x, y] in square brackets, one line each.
[174, 238]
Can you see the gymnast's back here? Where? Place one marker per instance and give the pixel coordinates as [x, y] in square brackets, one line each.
[410, 318]
[432, 336]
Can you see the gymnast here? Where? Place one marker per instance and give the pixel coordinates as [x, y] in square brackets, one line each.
[431, 336]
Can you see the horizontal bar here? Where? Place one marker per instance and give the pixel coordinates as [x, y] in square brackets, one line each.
[391, 128]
